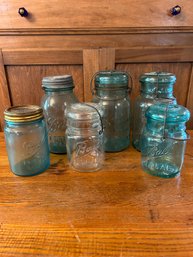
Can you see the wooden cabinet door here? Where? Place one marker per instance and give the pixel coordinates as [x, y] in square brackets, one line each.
[21, 73]
[88, 14]
[138, 60]
[25, 81]
[22, 70]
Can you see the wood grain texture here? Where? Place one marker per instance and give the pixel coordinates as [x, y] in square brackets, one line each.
[95, 41]
[155, 54]
[95, 60]
[4, 91]
[95, 31]
[73, 56]
[189, 103]
[94, 14]
[41, 56]
[25, 81]
[118, 211]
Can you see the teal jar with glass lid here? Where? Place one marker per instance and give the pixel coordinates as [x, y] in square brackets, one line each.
[112, 93]
[164, 139]
[154, 85]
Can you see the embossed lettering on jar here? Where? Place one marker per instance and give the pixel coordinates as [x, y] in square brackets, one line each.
[26, 140]
[84, 137]
[164, 139]
[111, 92]
[58, 96]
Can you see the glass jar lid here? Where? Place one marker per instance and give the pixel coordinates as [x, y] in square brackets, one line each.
[84, 111]
[58, 82]
[111, 78]
[23, 113]
[157, 77]
[168, 111]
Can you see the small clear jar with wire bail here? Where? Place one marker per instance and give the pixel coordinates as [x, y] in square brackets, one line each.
[164, 139]
[26, 140]
[112, 93]
[84, 137]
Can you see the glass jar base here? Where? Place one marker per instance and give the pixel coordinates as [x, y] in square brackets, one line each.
[116, 145]
[163, 169]
[136, 145]
[86, 170]
[20, 170]
[57, 152]
[54, 148]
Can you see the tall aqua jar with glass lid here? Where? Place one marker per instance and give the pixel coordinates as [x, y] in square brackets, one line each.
[154, 85]
[164, 139]
[112, 93]
[58, 96]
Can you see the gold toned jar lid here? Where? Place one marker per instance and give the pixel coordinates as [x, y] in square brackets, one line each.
[23, 113]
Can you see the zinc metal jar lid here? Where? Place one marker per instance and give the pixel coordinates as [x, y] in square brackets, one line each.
[23, 113]
[84, 111]
[157, 77]
[58, 82]
[168, 111]
[112, 78]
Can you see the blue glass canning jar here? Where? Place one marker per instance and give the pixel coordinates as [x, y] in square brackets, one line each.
[164, 139]
[58, 96]
[154, 85]
[26, 140]
[111, 92]
[84, 136]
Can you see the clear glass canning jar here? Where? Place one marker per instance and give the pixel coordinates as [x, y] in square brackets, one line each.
[84, 137]
[154, 85]
[111, 92]
[164, 139]
[26, 140]
[58, 96]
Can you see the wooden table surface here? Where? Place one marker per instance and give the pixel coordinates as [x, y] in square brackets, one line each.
[118, 211]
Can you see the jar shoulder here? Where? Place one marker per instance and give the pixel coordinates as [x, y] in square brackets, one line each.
[58, 101]
[109, 101]
[24, 128]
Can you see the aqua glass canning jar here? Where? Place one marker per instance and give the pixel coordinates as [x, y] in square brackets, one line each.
[111, 92]
[58, 96]
[26, 140]
[164, 139]
[154, 85]
[84, 137]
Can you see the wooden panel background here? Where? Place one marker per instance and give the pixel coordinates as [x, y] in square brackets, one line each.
[93, 61]
[94, 14]
[181, 70]
[190, 99]
[4, 91]
[25, 81]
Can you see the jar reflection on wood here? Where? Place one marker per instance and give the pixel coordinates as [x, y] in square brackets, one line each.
[58, 96]
[164, 139]
[111, 92]
[26, 140]
[84, 137]
[154, 85]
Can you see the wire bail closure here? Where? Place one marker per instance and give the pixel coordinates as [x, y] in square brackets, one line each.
[102, 127]
[164, 129]
[92, 90]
